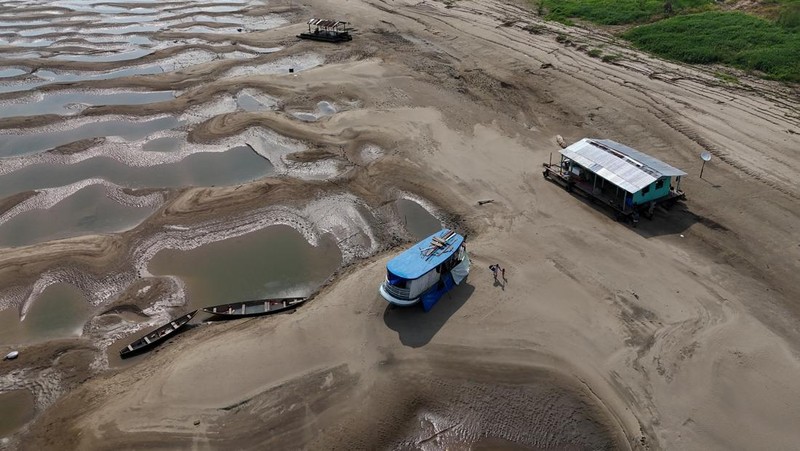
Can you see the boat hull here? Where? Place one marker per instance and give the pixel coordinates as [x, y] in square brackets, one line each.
[254, 308]
[157, 336]
[341, 37]
[395, 301]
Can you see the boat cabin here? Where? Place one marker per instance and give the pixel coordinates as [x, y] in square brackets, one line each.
[623, 178]
[327, 31]
[426, 270]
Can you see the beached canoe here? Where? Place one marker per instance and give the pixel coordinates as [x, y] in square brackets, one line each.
[254, 308]
[156, 336]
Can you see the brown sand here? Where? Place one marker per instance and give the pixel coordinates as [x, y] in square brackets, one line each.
[681, 334]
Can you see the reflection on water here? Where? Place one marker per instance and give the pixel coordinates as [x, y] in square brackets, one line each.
[37, 31]
[50, 77]
[62, 77]
[17, 409]
[257, 102]
[26, 23]
[121, 56]
[87, 211]
[32, 43]
[103, 9]
[275, 261]
[36, 142]
[165, 144]
[127, 29]
[237, 165]
[418, 221]
[13, 72]
[59, 312]
[64, 103]
[129, 19]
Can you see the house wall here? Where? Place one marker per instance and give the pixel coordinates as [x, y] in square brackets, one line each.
[653, 193]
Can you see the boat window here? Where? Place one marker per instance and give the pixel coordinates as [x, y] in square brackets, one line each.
[659, 183]
[396, 280]
[646, 189]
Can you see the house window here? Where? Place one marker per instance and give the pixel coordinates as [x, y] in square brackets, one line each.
[645, 190]
[660, 184]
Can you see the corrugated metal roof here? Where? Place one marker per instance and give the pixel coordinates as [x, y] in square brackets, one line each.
[627, 168]
[326, 23]
[653, 163]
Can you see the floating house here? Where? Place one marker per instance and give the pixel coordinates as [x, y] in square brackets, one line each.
[426, 271]
[327, 31]
[628, 181]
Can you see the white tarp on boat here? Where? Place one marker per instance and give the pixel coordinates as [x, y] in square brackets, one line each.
[461, 270]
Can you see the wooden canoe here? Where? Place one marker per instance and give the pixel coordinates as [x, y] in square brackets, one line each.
[156, 336]
[254, 308]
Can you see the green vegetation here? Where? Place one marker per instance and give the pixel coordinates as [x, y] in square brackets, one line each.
[789, 16]
[615, 12]
[731, 38]
[611, 58]
[534, 29]
[728, 78]
[595, 53]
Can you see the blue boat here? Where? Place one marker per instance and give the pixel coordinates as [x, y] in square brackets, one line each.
[426, 271]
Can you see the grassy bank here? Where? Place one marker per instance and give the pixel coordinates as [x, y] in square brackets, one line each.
[732, 38]
[614, 12]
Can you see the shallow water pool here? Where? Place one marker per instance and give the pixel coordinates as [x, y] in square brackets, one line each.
[275, 261]
[59, 312]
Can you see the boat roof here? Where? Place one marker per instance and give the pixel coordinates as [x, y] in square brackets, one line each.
[413, 263]
[326, 22]
[621, 165]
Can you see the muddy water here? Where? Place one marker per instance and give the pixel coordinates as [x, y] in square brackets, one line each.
[237, 165]
[17, 409]
[27, 43]
[14, 145]
[165, 144]
[49, 77]
[275, 261]
[73, 102]
[13, 72]
[121, 56]
[63, 77]
[417, 220]
[255, 102]
[87, 211]
[59, 312]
